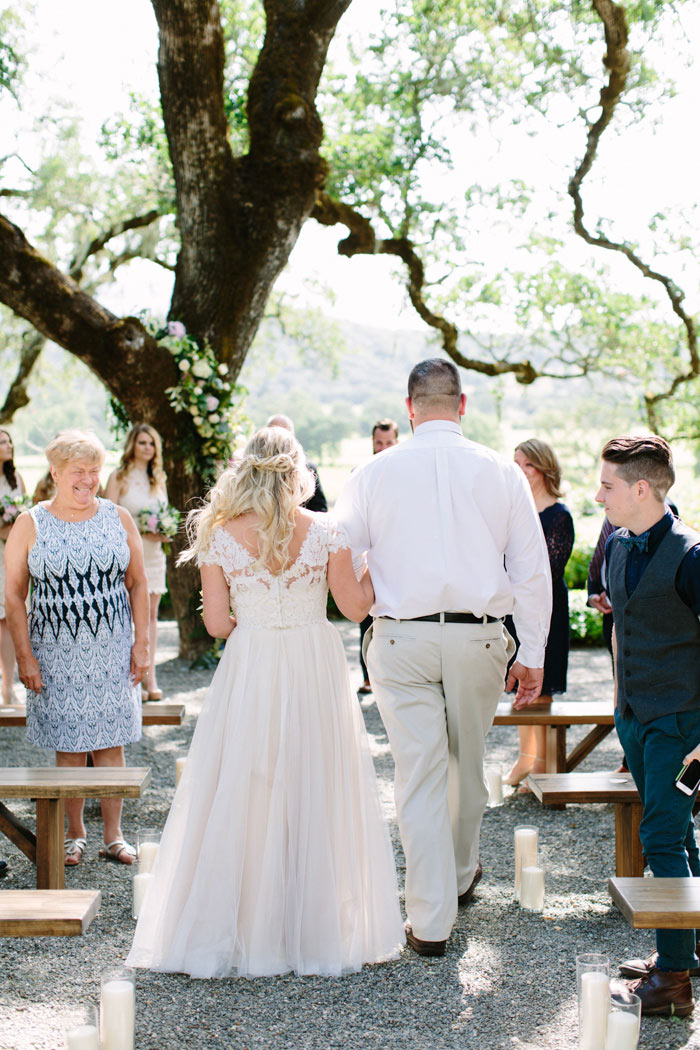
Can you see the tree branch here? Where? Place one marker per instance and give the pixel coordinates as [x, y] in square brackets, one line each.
[362, 240]
[137, 222]
[617, 61]
[17, 396]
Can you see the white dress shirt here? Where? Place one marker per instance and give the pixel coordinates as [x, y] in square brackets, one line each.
[450, 526]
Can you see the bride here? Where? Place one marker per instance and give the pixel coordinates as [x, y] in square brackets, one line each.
[275, 855]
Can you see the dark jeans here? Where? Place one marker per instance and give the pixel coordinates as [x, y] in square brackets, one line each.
[655, 753]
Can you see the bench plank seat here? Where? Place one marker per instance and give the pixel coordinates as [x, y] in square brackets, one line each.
[49, 786]
[153, 713]
[47, 913]
[616, 788]
[650, 904]
[556, 718]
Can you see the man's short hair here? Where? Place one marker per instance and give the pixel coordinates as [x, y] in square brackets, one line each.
[280, 420]
[643, 459]
[435, 383]
[386, 424]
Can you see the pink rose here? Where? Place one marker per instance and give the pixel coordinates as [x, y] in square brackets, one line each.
[212, 403]
[177, 329]
[152, 522]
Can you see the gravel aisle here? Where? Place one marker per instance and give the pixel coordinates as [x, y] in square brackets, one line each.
[507, 981]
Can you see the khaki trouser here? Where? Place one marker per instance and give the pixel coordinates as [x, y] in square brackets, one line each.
[437, 687]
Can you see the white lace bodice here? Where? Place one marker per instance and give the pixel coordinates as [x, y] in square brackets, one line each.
[293, 598]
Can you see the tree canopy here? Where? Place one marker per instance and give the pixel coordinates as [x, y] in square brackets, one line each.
[256, 132]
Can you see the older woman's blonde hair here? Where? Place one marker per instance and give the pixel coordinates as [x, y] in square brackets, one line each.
[271, 480]
[543, 456]
[154, 470]
[70, 445]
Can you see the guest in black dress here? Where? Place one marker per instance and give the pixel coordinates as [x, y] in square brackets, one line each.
[541, 467]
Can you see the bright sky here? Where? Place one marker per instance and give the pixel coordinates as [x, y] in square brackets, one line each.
[94, 52]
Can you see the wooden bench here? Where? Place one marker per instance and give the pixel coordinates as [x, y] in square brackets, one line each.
[154, 714]
[49, 786]
[617, 788]
[556, 719]
[665, 904]
[47, 913]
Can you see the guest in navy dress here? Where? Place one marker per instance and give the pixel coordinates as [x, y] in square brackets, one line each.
[540, 466]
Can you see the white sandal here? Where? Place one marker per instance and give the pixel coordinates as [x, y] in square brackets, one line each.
[114, 850]
[73, 848]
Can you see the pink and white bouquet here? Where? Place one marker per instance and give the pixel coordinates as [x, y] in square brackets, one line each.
[162, 520]
[11, 507]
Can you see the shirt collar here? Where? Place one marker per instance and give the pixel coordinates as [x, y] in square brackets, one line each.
[657, 532]
[437, 424]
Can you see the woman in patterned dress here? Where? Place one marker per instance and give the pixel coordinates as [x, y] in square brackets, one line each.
[84, 649]
[11, 484]
[139, 483]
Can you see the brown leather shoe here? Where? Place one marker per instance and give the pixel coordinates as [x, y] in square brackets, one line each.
[468, 895]
[665, 992]
[434, 948]
[641, 967]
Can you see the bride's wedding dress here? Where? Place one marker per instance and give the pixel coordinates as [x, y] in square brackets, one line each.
[275, 855]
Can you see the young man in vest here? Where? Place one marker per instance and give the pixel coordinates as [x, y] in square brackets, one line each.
[653, 580]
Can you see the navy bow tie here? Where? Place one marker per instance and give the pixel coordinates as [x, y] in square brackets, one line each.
[640, 542]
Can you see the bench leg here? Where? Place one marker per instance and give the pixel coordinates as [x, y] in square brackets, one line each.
[629, 859]
[555, 753]
[50, 874]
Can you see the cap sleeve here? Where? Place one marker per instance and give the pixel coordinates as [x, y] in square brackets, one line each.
[338, 538]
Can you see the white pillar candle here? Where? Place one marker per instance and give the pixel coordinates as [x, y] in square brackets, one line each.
[179, 766]
[495, 783]
[82, 1037]
[525, 852]
[532, 888]
[140, 885]
[117, 1015]
[623, 1031]
[147, 856]
[593, 1010]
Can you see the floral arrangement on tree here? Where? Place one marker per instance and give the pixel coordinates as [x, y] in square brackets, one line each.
[161, 519]
[11, 507]
[214, 404]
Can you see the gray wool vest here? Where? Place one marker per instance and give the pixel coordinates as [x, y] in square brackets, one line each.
[658, 636]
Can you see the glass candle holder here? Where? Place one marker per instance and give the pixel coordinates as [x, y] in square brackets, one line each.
[593, 991]
[532, 888]
[118, 1009]
[624, 1021]
[139, 884]
[148, 841]
[525, 841]
[494, 780]
[80, 1031]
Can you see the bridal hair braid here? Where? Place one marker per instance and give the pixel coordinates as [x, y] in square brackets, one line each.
[271, 480]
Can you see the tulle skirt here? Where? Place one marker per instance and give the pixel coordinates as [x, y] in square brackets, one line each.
[275, 855]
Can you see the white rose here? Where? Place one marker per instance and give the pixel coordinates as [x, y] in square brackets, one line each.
[201, 369]
[214, 417]
[197, 420]
[223, 370]
[184, 365]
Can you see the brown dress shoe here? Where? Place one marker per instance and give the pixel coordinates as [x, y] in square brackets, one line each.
[665, 992]
[423, 947]
[641, 967]
[468, 895]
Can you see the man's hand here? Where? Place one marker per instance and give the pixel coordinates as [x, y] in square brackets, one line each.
[600, 602]
[529, 681]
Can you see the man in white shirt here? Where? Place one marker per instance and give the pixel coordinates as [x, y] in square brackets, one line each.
[453, 543]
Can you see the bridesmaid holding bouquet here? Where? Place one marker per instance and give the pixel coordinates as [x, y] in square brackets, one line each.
[139, 484]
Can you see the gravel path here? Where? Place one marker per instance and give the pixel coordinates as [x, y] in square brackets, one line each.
[507, 981]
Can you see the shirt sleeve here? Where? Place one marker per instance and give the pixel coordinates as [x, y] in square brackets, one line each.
[688, 579]
[527, 566]
[350, 514]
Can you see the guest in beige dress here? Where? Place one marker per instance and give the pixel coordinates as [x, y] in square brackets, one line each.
[11, 484]
[138, 483]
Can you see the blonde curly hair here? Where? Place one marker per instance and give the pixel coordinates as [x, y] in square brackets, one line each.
[271, 480]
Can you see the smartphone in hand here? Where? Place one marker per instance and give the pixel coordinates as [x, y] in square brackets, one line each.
[688, 780]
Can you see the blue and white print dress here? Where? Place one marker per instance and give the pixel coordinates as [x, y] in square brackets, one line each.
[81, 633]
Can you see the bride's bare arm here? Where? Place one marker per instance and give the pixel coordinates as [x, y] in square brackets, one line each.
[216, 602]
[353, 597]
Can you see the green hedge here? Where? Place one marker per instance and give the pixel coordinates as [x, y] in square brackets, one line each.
[576, 571]
[585, 624]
